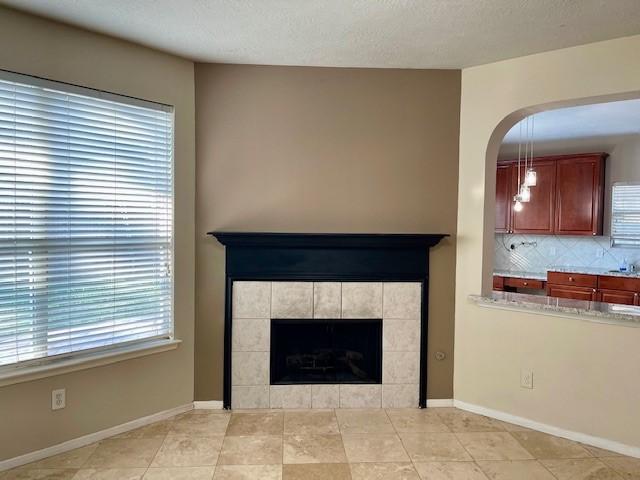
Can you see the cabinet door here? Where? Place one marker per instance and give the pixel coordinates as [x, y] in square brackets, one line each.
[537, 215]
[504, 198]
[618, 296]
[579, 195]
[498, 283]
[573, 293]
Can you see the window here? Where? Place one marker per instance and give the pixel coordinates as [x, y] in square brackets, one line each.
[86, 199]
[625, 215]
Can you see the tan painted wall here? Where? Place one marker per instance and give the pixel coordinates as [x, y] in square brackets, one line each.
[324, 150]
[585, 374]
[106, 396]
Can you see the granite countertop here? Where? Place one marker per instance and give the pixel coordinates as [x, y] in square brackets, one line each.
[593, 311]
[596, 271]
[584, 270]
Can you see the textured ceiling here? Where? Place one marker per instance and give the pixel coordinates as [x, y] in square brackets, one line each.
[350, 33]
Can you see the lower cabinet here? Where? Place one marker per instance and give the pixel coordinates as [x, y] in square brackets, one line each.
[618, 296]
[572, 292]
[602, 288]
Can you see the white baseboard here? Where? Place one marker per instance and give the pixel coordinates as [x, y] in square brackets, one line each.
[207, 405]
[551, 430]
[439, 402]
[91, 438]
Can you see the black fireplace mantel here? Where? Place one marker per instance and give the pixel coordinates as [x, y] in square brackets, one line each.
[318, 256]
[326, 257]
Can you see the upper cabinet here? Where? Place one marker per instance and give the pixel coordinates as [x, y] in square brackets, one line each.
[580, 195]
[567, 199]
[537, 216]
[504, 197]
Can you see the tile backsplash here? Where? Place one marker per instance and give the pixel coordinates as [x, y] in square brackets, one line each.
[559, 251]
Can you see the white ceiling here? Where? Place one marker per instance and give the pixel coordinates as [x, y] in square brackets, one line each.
[589, 121]
[350, 33]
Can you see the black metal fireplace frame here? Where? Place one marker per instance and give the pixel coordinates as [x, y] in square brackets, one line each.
[326, 257]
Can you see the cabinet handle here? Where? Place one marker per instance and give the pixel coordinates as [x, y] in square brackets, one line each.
[594, 290]
[525, 284]
[635, 295]
[571, 279]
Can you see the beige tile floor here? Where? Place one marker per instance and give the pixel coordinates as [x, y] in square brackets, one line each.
[399, 444]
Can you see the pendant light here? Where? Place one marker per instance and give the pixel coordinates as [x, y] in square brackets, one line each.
[517, 206]
[530, 176]
[523, 195]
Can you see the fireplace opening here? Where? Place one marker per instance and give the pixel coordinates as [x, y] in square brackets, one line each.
[326, 351]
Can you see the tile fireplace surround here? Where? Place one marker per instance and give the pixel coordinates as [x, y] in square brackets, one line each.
[298, 276]
[398, 304]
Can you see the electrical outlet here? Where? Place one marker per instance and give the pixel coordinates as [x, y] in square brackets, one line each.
[58, 399]
[553, 252]
[526, 378]
[600, 253]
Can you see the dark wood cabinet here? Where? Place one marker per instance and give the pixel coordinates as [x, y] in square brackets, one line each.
[516, 283]
[618, 296]
[572, 279]
[568, 198]
[575, 286]
[579, 195]
[572, 292]
[537, 216]
[498, 283]
[504, 198]
[601, 288]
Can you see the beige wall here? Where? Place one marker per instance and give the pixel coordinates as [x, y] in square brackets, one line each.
[324, 150]
[102, 397]
[585, 374]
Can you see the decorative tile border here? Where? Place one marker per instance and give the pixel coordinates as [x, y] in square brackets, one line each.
[256, 303]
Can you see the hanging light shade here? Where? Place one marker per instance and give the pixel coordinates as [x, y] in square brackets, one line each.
[525, 193]
[530, 178]
[517, 206]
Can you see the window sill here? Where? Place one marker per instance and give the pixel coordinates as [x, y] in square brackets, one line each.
[83, 362]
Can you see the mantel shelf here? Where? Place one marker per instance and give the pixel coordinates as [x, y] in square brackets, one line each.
[328, 240]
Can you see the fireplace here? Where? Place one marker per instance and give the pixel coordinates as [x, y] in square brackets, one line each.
[301, 296]
[329, 351]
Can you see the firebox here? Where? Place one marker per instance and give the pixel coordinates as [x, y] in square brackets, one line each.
[312, 351]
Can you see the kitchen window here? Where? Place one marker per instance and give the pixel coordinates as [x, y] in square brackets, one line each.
[86, 221]
[625, 215]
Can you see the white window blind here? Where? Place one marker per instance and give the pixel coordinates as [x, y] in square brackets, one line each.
[625, 215]
[86, 196]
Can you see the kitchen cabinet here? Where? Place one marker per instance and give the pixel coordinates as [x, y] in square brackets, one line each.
[537, 216]
[618, 296]
[616, 289]
[568, 198]
[516, 283]
[572, 279]
[575, 286]
[572, 292]
[602, 288]
[504, 197]
[579, 195]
